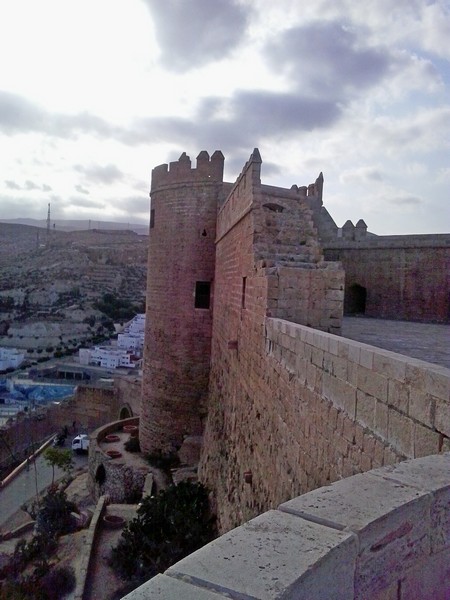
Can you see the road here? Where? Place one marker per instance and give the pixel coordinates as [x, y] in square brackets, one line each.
[23, 487]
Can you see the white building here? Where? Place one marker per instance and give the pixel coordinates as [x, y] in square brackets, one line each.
[132, 336]
[130, 345]
[10, 358]
[107, 357]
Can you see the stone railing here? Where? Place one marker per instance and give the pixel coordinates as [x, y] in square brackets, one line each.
[377, 535]
[120, 479]
[86, 550]
[401, 400]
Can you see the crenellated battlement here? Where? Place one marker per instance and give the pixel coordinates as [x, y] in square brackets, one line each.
[181, 171]
[313, 190]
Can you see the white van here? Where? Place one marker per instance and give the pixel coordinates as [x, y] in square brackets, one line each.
[80, 443]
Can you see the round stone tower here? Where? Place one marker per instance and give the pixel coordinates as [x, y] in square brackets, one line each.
[181, 259]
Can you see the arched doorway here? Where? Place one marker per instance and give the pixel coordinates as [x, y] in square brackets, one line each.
[125, 412]
[100, 475]
[355, 300]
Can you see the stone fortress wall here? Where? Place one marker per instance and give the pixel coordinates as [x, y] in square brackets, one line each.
[392, 276]
[291, 406]
[303, 408]
[298, 408]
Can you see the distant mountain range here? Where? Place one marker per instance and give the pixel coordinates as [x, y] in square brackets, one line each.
[81, 225]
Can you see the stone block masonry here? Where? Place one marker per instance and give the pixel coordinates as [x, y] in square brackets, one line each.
[401, 277]
[253, 361]
[307, 408]
[268, 262]
[202, 251]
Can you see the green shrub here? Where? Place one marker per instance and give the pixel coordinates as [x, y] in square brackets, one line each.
[39, 548]
[58, 582]
[25, 589]
[45, 585]
[169, 526]
[54, 516]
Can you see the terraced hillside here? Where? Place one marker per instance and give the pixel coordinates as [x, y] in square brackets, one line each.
[50, 285]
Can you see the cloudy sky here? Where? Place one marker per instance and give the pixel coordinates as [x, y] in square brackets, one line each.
[95, 93]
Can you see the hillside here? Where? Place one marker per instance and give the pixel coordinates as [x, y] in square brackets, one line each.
[49, 288]
[80, 224]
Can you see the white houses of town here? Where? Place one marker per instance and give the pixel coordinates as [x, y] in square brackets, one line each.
[10, 358]
[127, 353]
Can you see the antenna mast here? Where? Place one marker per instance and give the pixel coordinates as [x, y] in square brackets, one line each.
[48, 223]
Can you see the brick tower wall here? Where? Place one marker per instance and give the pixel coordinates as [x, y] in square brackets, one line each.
[184, 204]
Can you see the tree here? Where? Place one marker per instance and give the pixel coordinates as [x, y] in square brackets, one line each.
[58, 458]
[169, 526]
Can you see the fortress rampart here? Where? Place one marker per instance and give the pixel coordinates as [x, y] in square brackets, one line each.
[285, 405]
[181, 171]
[261, 244]
[301, 408]
[396, 277]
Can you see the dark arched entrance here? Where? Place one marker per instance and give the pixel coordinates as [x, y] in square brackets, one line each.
[355, 300]
[125, 412]
[100, 475]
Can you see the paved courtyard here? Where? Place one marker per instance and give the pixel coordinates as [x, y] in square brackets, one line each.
[429, 342]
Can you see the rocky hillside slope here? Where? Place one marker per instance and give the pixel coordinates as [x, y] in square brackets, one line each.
[50, 285]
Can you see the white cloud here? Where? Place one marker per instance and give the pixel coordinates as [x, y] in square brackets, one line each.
[359, 91]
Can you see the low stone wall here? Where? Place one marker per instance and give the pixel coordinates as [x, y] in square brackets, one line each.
[403, 401]
[382, 535]
[88, 545]
[25, 463]
[113, 477]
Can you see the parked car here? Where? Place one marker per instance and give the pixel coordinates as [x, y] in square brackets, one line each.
[59, 440]
[80, 443]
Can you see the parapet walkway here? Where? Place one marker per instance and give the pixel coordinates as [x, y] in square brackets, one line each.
[425, 341]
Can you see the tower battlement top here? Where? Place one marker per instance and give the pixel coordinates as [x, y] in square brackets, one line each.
[181, 171]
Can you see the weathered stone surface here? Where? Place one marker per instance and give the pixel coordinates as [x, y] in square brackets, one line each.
[163, 587]
[428, 579]
[276, 554]
[431, 473]
[392, 522]
[189, 452]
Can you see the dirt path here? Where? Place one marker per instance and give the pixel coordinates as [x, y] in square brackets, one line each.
[103, 583]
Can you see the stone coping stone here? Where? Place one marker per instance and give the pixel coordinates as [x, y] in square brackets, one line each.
[275, 555]
[399, 513]
[358, 503]
[431, 473]
[169, 588]
[127, 511]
